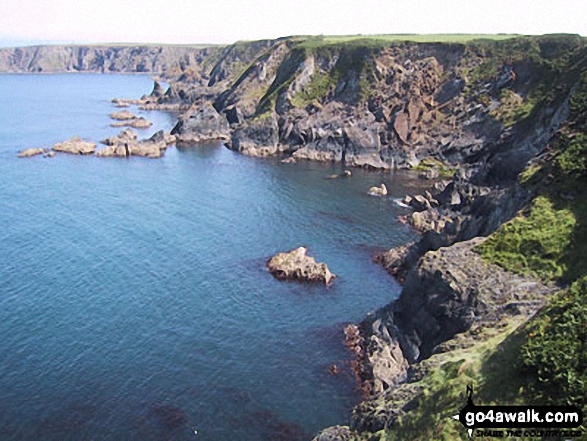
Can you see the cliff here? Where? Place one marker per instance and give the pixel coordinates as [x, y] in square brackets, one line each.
[101, 59]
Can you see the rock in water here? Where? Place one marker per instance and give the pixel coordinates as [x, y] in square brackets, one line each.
[31, 152]
[137, 123]
[75, 146]
[201, 123]
[122, 115]
[378, 191]
[295, 265]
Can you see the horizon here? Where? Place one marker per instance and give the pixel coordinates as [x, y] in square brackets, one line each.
[202, 22]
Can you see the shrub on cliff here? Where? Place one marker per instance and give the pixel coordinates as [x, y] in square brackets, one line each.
[555, 352]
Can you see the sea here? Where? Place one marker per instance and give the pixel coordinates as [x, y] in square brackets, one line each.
[134, 299]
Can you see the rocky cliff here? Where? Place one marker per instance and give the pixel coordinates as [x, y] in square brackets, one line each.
[101, 59]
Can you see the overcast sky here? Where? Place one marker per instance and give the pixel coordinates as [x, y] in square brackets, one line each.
[225, 21]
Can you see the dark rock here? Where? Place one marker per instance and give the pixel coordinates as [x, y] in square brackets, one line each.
[201, 123]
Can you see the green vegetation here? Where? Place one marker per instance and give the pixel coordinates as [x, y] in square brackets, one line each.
[555, 351]
[513, 108]
[418, 38]
[535, 244]
[320, 84]
[284, 77]
[444, 171]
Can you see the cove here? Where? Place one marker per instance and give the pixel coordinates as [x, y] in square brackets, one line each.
[134, 299]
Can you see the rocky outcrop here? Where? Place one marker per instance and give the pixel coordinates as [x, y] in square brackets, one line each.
[75, 146]
[296, 265]
[126, 145]
[257, 137]
[122, 115]
[201, 123]
[125, 135]
[31, 152]
[137, 123]
[449, 292]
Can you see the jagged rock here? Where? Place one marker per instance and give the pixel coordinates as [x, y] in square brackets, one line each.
[125, 135]
[123, 115]
[75, 146]
[378, 191]
[157, 91]
[137, 123]
[257, 137]
[290, 160]
[295, 265]
[449, 290]
[31, 152]
[420, 203]
[163, 137]
[201, 123]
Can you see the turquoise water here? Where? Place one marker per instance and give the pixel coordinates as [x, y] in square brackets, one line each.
[134, 300]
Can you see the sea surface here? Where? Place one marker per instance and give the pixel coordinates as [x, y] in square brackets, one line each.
[134, 299]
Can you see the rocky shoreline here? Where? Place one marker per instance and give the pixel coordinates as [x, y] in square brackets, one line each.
[464, 115]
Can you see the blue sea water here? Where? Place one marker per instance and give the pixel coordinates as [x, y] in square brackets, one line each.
[134, 299]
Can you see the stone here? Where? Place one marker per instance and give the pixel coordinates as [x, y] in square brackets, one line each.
[296, 265]
[378, 191]
[75, 146]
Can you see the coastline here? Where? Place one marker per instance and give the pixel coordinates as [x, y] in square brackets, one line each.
[402, 343]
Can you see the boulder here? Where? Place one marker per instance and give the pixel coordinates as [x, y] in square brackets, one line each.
[295, 265]
[75, 146]
[378, 191]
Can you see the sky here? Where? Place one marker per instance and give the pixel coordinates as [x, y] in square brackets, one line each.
[225, 21]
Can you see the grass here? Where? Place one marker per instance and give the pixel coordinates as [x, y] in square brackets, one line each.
[419, 38]
[487, 366]
[536, 243]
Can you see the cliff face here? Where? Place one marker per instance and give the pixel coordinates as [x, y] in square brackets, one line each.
[388, 105]
[100, 59]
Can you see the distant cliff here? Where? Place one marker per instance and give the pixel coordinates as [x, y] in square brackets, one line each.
[101, 59]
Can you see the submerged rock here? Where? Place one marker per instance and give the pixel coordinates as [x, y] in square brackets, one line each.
[75, 146]
[31, 152]
[295, 265]
[378, 191]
